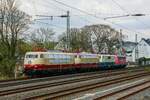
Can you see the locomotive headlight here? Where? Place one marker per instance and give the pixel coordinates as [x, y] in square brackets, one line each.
[35, 66]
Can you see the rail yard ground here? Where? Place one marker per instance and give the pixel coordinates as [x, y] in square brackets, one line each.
[131, 83]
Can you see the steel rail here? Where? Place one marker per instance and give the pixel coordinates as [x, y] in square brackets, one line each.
[85, 88]
[29, 88]
[125, 90]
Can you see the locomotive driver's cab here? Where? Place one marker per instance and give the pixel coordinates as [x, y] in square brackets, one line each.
[29, 57]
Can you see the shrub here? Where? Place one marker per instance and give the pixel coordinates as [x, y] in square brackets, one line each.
[7, 67]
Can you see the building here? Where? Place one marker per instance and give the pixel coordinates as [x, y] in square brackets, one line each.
[137, 50]
[129, 48]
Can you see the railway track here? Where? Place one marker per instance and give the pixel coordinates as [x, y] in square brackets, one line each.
[59, 82]
[65, 92]
[126, 92]
[15, 82]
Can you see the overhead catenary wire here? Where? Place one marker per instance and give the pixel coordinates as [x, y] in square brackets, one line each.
[123, 9]
[57, 7]
[38, 19]
[52, 4]
[87, 13]
[81, 16]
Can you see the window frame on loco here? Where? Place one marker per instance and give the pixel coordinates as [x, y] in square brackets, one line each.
[32, 56]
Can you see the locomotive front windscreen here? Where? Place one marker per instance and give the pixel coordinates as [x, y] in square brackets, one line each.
[32, 56]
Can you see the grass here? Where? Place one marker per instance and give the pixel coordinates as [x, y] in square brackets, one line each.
[147, 68]
[4, 78]
[9, 78]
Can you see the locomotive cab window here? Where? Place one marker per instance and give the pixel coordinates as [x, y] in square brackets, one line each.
[75, 56]
[32, 56]
[41, 56]
[109, 57]
[99, 57]
[79, 56]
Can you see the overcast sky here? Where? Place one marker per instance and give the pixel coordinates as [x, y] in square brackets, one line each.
[99, 8]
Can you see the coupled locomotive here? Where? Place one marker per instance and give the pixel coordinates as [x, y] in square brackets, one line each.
[36, 63]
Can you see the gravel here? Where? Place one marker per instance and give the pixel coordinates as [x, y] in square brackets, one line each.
[23, 95]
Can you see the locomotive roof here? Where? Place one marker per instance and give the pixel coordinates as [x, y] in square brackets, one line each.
[106, 55]
[69, 53]
[48, 53]
[59, 53]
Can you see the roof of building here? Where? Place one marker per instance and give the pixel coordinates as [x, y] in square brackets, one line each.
[129, 46]
[146, 40]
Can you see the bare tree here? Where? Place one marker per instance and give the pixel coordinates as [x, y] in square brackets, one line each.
[79, 40]
[86, 40]
[98, 38]
[43, 37]
[105, 37]
[73, 40]
[13, 23]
